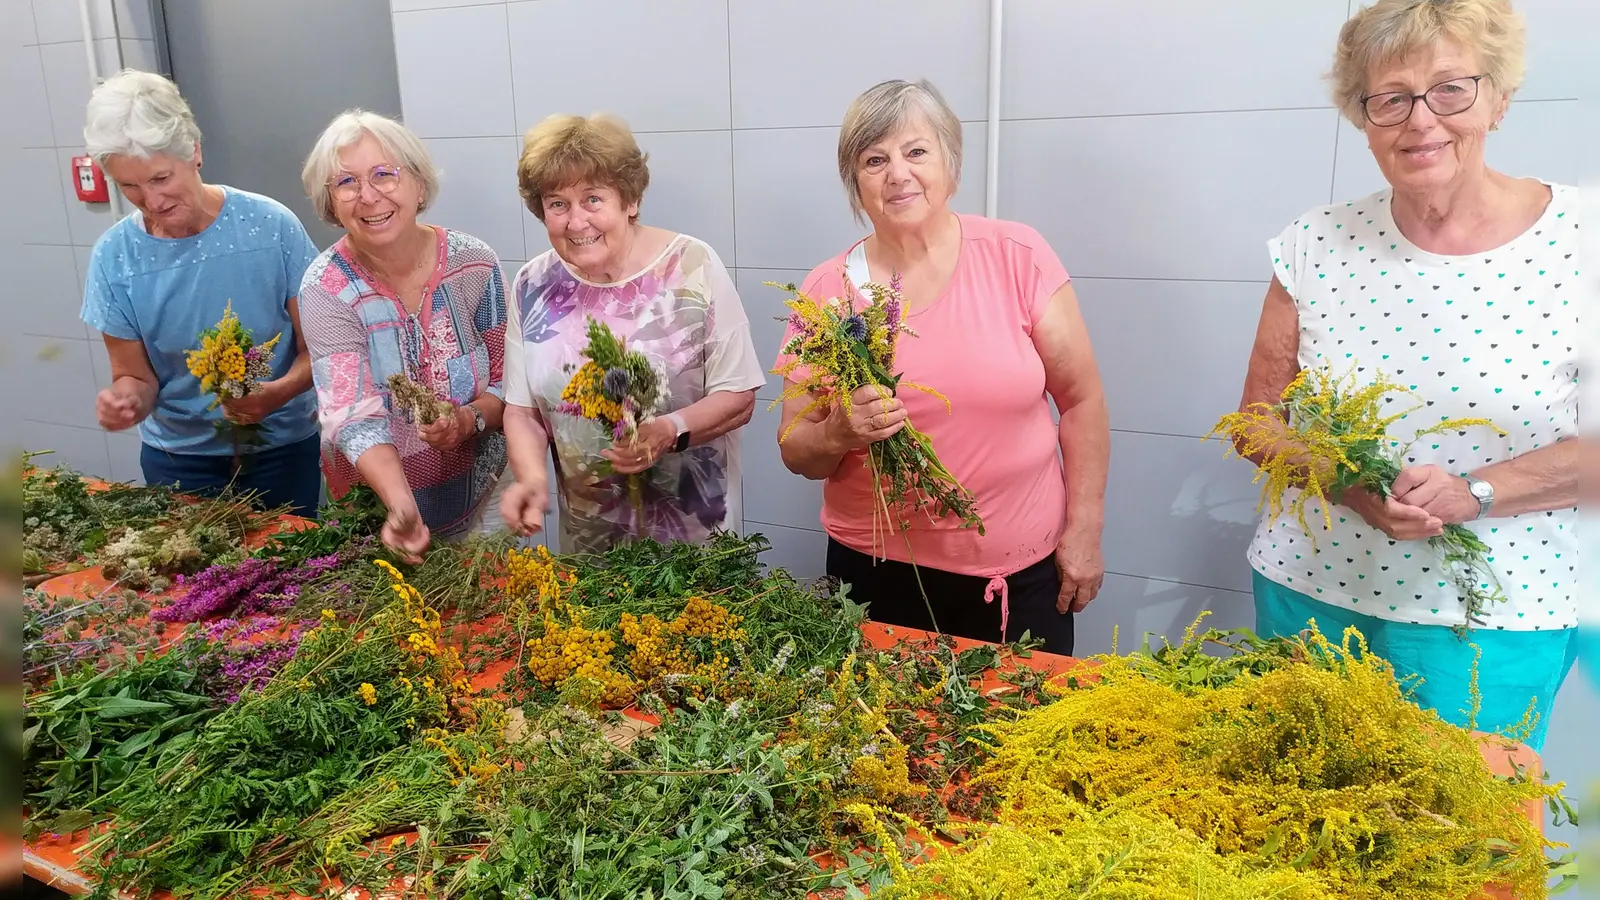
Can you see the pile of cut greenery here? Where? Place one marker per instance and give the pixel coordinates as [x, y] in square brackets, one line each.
[1287, 768]
[680, 721]
[141, 537]
[64, 521]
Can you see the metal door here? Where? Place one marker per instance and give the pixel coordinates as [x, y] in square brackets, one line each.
[264, 77]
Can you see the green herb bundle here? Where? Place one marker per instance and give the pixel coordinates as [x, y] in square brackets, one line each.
[647, 577]
[91, 735]
[351, 694]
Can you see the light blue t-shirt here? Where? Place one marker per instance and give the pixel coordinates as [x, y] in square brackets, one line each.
[164, 291]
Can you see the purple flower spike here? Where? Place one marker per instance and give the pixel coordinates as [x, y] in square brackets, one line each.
[252, 586]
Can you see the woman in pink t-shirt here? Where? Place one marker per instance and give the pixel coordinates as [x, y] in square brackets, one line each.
[998, 333]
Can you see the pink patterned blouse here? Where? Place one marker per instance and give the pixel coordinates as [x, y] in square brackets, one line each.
[359, 334]
[684, 313]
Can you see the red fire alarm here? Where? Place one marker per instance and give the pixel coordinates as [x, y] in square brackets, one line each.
[90, 181]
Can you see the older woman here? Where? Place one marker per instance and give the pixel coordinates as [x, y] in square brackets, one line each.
[166, 272]
[665, 294]
[399, 301]
[1456, 280]
[1000, 335]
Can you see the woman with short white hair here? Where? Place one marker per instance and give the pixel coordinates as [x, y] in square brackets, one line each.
[398, 301]
[166, 272]
[1460, 283]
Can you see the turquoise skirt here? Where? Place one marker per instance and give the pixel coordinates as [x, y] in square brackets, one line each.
[1519, 669]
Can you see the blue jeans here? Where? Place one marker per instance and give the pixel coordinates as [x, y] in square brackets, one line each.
[1519, 669]
[289, 475]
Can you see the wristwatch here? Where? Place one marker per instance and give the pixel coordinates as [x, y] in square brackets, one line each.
[1483, 492]
[477, 419]
[683, 432]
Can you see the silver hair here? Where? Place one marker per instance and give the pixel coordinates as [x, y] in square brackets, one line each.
[347, 129]
[1391, 30]
[879, 112]
[139, 114]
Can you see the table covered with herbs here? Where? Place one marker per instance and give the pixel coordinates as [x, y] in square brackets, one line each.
[292, 713]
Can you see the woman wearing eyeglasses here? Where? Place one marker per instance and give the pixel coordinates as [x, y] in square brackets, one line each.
[396, 297]
[1460, 283]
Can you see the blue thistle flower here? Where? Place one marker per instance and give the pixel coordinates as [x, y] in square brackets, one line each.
[856, 327]
[615, 384]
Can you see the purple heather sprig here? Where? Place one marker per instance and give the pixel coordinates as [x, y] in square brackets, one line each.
[252, 586]
[238, 662]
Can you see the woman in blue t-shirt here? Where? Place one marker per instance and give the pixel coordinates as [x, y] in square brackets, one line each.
[166, 272]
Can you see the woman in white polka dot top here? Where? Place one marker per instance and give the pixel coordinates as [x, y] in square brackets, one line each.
[1463, 284]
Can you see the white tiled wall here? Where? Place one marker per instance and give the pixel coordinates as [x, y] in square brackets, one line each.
[1157, 145]
[45, 345]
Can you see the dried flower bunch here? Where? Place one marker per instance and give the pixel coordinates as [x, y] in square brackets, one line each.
[418, 401]
[64, 634]
[64, 521]
[1328, 434]
[836, 348]
[229, 363]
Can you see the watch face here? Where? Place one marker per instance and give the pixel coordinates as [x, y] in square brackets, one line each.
[1481, 489]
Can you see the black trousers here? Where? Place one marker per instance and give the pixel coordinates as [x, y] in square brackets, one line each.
[893, 597]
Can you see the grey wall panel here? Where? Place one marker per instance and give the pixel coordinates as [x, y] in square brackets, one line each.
[264, 79]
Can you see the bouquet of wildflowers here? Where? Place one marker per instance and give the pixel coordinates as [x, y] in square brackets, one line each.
[837, 348]
[617, 388]
[1327, 434]
[229, 363]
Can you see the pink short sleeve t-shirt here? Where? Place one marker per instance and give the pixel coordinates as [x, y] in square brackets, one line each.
[974, 344]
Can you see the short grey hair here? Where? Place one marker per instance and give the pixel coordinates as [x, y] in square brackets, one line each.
[347, 129]
[880, 111]
[1391, 30]
[139, 114]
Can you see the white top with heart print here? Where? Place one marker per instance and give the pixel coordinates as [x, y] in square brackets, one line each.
[1488, 335]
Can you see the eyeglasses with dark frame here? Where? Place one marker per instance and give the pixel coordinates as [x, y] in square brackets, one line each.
[347, 186]
[1447, 98]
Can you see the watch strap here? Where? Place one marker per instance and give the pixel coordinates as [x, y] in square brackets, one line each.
[1483, 492]
[682, 429]
[478, 423]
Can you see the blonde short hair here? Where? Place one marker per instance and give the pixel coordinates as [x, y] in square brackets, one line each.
[565, 149]
[139, 114]
[879, 112]
[347, 128]
[1391, 30]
